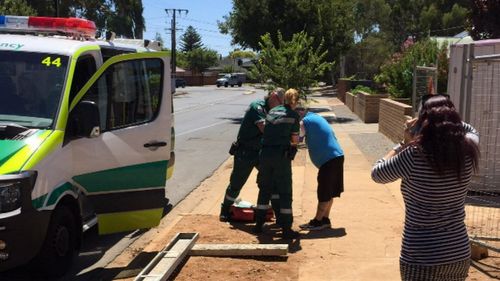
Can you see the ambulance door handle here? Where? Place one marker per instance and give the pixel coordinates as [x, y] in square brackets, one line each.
[155, 144]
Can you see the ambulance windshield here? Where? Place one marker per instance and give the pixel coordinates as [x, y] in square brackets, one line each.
[31, 87]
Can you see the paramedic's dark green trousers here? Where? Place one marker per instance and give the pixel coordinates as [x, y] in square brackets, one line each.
[275, 181]
[244, 162]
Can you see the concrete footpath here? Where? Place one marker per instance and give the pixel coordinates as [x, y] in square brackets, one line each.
[367, 220]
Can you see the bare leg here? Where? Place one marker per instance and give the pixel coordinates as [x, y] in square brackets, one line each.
[323, 210]
[328, 209]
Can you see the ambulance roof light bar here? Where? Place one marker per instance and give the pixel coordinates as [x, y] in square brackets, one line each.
[71, 26]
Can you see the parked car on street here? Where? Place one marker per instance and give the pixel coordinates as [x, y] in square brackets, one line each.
[229, 80]
[180, 82]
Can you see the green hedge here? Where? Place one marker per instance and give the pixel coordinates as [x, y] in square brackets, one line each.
[397, 74]
[361, 88]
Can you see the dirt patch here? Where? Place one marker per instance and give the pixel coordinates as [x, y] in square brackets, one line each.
[232, 268]
[485, 269]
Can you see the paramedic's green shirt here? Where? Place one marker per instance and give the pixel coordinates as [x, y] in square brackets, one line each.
[249, 134]
[281, 123]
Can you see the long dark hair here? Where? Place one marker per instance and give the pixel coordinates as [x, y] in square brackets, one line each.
[442, 137]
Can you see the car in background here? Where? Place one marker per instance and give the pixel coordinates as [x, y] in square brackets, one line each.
[180, 82]
[229, 80]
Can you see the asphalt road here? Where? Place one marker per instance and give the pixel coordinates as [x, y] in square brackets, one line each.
[206, 122]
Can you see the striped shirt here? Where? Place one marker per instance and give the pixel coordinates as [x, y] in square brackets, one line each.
[434, 230]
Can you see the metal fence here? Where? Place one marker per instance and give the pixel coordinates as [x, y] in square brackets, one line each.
[482, 110]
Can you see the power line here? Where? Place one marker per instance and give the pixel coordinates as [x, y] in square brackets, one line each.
[200, 21]
[444, 29]
[207, 30]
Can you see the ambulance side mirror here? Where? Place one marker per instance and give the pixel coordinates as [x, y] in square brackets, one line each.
[84, 120]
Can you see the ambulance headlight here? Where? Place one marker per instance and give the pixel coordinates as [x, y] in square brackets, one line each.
[10, 196]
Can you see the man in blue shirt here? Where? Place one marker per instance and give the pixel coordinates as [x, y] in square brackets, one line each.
[327, 155]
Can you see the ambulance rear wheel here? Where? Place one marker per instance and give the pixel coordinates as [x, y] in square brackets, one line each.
[59, 249]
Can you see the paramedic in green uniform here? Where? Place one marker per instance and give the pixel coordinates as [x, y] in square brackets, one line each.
[246, 155]
[279, 145]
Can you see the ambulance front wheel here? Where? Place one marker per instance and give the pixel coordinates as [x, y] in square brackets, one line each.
[59, 248]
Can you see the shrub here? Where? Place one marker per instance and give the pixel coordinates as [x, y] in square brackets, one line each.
[361, 88]
[291, 64]
[397, 74]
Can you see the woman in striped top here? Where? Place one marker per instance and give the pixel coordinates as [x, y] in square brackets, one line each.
[436, 168]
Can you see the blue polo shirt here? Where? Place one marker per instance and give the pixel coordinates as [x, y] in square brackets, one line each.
[320, 139]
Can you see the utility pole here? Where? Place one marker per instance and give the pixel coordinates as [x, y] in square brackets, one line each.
[174, 11]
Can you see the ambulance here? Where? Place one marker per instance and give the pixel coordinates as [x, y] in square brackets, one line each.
[86, 138]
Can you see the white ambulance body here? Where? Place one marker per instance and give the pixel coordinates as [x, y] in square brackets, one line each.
[86, 136]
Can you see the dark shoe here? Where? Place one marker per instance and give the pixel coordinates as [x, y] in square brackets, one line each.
[326, 222]
[224, 218]
[288, 233]
[258, 228]
[225, 215]
[313, 224]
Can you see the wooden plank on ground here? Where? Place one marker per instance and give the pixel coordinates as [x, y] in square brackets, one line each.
[224, 250]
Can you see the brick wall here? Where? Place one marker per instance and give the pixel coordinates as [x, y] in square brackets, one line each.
[392, 116]
[343, 86]
[368, 107]
[349, 100]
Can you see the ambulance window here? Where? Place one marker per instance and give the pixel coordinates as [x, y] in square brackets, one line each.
[128, 93]
[111, 52]
[85, 68]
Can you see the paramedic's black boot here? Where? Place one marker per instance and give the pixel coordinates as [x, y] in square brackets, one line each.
[258, 228]
[288, 233]
[225, 214]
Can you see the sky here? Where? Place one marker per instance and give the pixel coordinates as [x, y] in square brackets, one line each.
[202, 15]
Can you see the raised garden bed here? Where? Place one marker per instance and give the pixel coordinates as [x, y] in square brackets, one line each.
[367, 106]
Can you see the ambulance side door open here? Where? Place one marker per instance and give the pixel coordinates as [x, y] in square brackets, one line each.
[121, 166]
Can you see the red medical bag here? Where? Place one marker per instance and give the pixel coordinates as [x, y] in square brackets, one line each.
[244, 212]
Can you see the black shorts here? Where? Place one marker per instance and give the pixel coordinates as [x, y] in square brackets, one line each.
[331, 179]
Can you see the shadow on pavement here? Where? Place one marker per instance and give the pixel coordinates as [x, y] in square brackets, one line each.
[486, 269]
[324, 233]
[339, 120]
[131, 270]
[167, 207]
[319, 109]
[233, 120]
[271, 235]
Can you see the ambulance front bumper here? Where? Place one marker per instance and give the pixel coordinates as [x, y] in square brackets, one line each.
[22, 231]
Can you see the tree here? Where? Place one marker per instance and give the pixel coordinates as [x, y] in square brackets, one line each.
[16, 7]
[124, 17]
[228, 68]
[422, 18]
[485, 19]
[328, 22]
[198, 60]
[332, 25]
[190, 40]
[371, 16]
[455, 19]
[365, 58]
[291, 64]
[397, 74]
[236, 54]
[250, 20]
